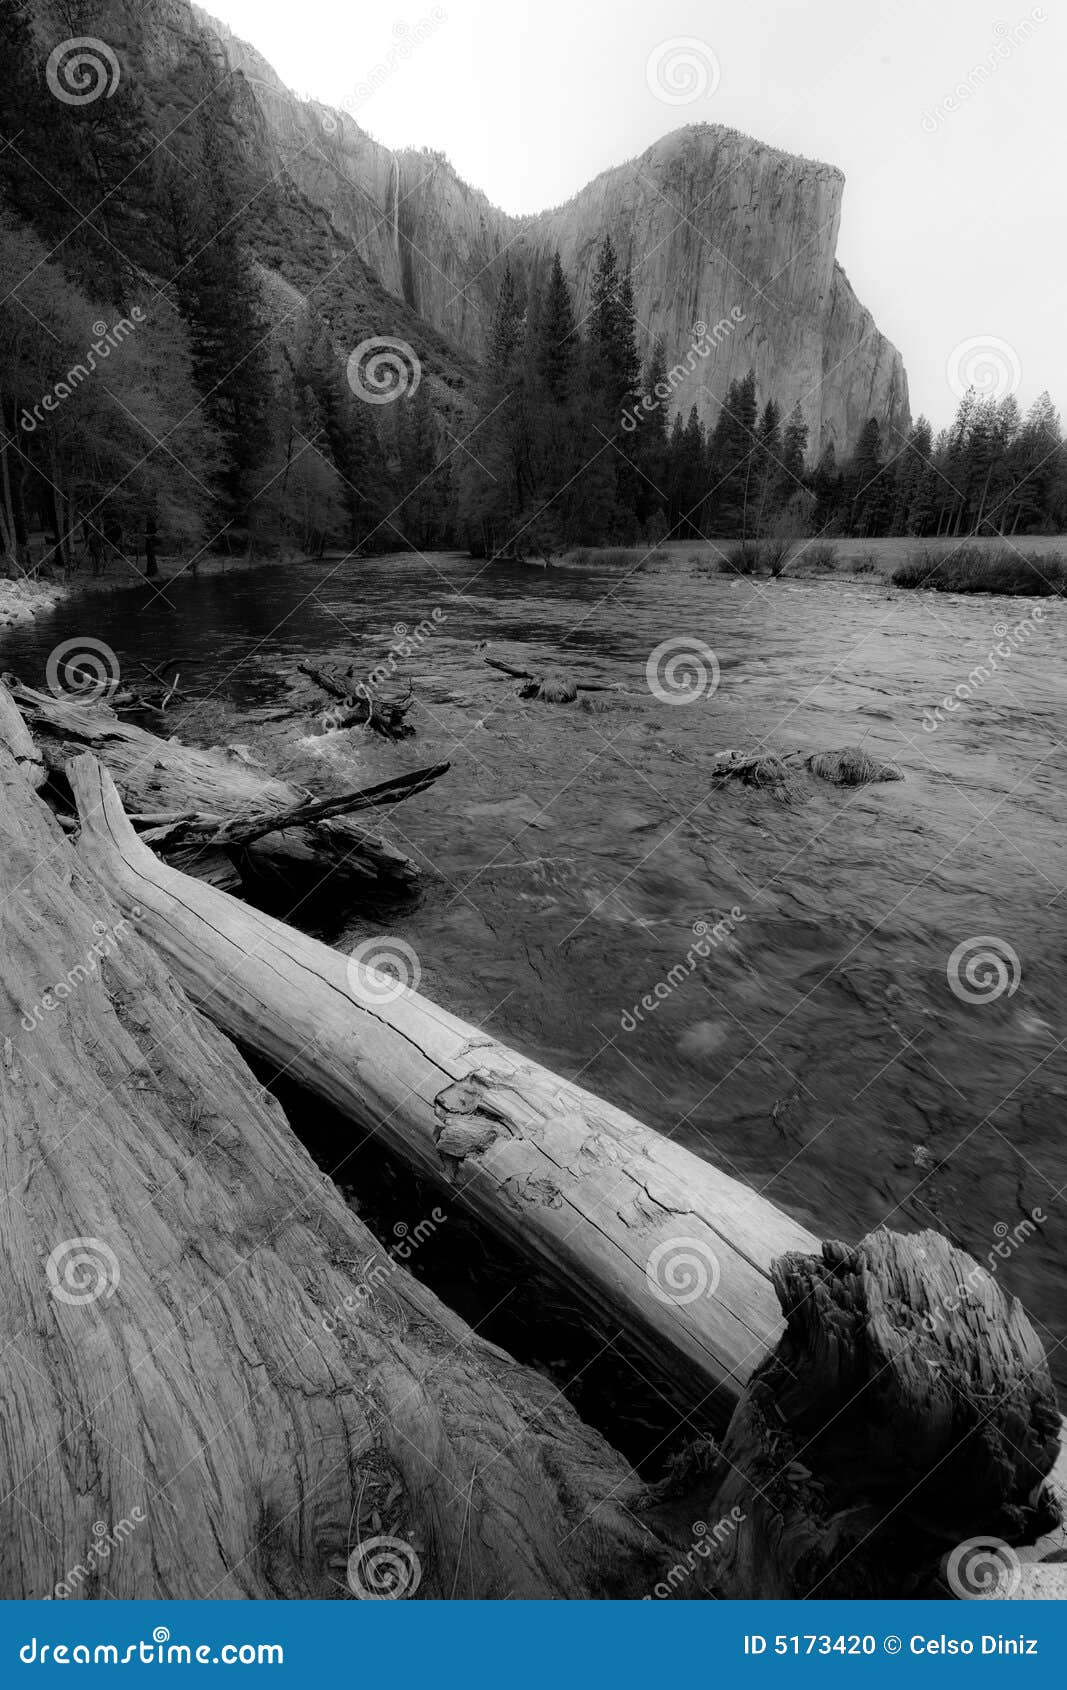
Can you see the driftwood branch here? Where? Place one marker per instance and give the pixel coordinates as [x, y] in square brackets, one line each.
[200, 801]
[384, 716]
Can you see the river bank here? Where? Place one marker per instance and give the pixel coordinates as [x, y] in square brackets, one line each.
[24, 600]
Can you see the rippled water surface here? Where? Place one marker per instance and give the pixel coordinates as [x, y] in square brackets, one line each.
[818, 1051]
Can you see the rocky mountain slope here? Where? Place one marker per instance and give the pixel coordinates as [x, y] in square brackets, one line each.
[711, 222]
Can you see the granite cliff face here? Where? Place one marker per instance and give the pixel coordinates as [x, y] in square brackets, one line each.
[709, 220]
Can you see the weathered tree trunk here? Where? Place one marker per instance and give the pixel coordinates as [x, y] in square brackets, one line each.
[907, 1411]
[16, 736]
[652, 1239]
[162, 776]
[215, 1383]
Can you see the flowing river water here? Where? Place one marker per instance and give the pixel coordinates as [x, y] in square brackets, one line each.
[826, 1049]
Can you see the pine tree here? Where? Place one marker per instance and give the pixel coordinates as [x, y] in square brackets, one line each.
[217, 294]
[734, 460]
[768, 466]
[555, 340]
[865, 486]
[794, 454]
[496, 469]
[651, 445]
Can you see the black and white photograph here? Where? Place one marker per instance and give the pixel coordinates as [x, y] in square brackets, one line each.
[533, 825]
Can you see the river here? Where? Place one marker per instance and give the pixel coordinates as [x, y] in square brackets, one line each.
[826, 1050]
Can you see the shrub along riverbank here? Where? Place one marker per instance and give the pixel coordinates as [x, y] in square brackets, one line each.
[971, 569]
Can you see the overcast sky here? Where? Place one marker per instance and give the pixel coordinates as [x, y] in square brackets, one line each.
[947, 117]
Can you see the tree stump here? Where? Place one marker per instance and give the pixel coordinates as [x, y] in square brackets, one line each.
[907, 1409]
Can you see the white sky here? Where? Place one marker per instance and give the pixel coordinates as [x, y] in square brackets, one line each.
[953, 229]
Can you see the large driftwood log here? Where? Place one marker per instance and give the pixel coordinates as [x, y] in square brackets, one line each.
[166, 779]
[215, 1383]
[653, 1240]
[906, 1414]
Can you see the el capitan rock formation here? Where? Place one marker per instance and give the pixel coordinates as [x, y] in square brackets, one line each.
[397, 244]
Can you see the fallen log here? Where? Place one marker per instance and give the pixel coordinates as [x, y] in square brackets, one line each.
[552, 688]
[906, 1415]
[182, 781]
[384, 716]
[652, 1240]
[878, 1399]
[216, 1382]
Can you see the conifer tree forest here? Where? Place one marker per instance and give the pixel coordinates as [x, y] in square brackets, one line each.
[205, 420]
